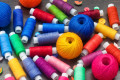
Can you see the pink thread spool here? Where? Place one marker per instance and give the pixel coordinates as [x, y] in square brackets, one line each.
[63, 77]
[59, 65]
[105, 67]
[9, 77]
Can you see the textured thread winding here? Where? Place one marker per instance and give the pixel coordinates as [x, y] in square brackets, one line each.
[41, 51]
[114, 51]
[29, 28]
[58, 64]
[17, 18]
[88, 59]
[48, 38]
[69, 45]
[31, 68]
[105, 67]
[64, 6]
[43, 16]
[82, 25]
[5, 14]
[30, 3]
[93, 43]
[94, 14]
[45, 67]
[5, 44]
[106, 31]
[53, 28]
[113, 15]
[79, 73]
[58, 13]
[16, 68]
[17, 44]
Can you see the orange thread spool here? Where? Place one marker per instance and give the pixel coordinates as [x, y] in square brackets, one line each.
[92, 44]
[110, 48]
[30, 3]
[113, 16]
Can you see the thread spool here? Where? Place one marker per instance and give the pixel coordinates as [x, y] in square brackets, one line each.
[106, 31]
[18, 19]
[45, 67]
[47, 27]
[94, 14]
[58, 13]
[43, 16]
[88, 59]
[30, 3]
[64, 6]
[28, 29]
[46, 38]
[110, 48]
[31, 68]
[5, 14]
[64, 76]
[5, 45]
[41, 51]
[16, 43]
[82, 25]
[69, 45]
[37, 33]
[113, 16]
[59, 65]
[79, 72]
[9, 77]
[16, 68]
[105, 64]
[92, 44]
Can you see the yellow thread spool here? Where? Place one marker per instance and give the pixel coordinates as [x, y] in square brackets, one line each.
[106, 31]
[16, 68]
[69, 45]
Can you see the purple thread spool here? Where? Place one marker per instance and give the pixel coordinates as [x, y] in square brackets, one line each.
[87, 60]
[45, 67]
[66, 7]
[46, 38]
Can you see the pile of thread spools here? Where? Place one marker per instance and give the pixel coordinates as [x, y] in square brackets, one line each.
[68, 35]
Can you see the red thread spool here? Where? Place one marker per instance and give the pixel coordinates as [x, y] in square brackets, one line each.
[110, 48]
[63, 77]
[43, 16]
[113, 16]
[94, 14]
[41, 51]
[92, 44]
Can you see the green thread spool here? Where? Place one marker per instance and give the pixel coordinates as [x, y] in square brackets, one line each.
[16, 43]
[58, 13]
[79, 72]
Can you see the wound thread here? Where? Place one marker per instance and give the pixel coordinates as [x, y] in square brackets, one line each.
[16, 43]
[17, 19]
[28, 29]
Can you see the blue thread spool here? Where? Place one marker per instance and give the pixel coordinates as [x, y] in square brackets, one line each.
[46, 38]
[48, 27]
[28, 29]
[18, 19]
[30, 67]
[83, 25]
[5, 45]
[36, 34]
[5, 14]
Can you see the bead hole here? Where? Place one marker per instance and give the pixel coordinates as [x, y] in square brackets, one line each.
[69, 40]
[81, 20]
[106, 61]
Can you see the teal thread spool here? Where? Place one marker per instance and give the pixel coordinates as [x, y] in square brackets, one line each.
[17, 44]
[79, 72]
[58, 13]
